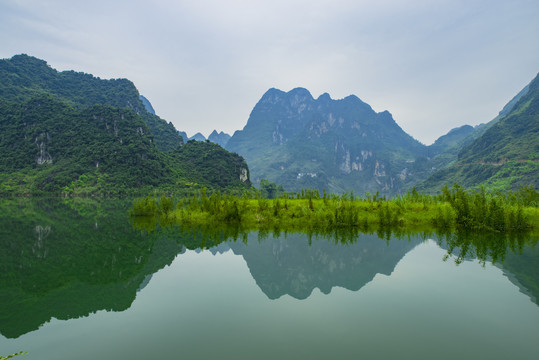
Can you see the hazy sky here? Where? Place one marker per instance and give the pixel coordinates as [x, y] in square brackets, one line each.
[204, 64]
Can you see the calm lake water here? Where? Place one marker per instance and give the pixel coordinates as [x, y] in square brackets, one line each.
[79, 281]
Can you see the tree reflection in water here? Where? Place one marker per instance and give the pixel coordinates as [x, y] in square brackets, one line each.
[72, 257]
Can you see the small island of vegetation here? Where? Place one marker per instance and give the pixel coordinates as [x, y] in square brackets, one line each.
[454, 209]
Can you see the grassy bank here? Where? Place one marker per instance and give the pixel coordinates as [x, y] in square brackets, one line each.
[453, 210]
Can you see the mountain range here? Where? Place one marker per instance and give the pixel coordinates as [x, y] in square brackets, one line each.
[343, 145]
[219, 138]
[67, 132]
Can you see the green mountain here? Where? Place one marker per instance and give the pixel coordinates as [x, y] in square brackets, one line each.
[506, 109]
[446, 148]
[506, 154]
[23, 77]
[338, 145]
[207, 164]
[54, 140]
[52, 144]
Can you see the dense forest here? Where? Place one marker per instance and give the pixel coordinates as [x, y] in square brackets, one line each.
[24, 77]
[74, 134]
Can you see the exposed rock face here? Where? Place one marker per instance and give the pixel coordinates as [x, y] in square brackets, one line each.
[379, 170]
[345, 164]
[344, 142]
[43, 156]
[244, 175]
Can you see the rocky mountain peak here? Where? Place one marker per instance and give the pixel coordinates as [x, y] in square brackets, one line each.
[324, 98]
[325, 143]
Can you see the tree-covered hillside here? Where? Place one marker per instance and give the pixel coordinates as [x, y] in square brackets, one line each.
[23, 77]
[57, 141]
[54, 145]
[208, 164]
[505, 156]
[444, 152]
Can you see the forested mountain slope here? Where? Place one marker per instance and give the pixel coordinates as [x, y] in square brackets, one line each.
[56, 140]
[23, 77]
[505, 156]
[446, 148]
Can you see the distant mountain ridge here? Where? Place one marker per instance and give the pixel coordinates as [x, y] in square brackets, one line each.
[445, 149]
[343, 145]
[220, 138]
[290, 138]
[198, 137]
[338, 145]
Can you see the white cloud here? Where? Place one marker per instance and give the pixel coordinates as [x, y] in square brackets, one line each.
[203, 64]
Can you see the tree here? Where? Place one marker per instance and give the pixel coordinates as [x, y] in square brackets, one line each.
[270, 190]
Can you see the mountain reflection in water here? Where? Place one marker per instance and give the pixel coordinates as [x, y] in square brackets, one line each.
[70, 258]
[292, 266]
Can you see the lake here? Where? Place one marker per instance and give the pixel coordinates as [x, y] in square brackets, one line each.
[80, 280]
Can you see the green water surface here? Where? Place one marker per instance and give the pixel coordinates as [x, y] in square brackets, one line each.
[79, 281]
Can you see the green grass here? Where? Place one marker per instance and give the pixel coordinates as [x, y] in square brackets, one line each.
[453, 210]
[12, 355]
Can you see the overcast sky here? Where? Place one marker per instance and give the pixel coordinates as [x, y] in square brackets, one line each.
[204, 64]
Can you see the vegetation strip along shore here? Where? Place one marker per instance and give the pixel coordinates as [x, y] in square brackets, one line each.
[453, 210]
